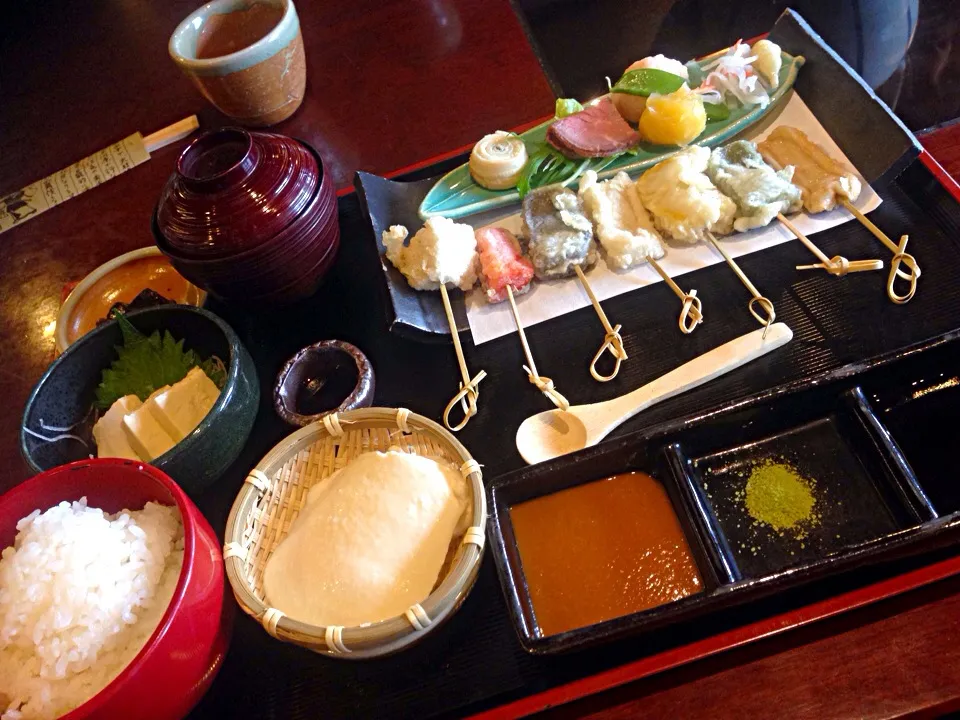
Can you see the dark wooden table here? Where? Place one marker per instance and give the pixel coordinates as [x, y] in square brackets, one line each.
[391, 82]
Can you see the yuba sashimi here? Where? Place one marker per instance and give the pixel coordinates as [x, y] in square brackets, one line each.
[501, 264]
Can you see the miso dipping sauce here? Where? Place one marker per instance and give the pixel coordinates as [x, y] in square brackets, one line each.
[602, 550]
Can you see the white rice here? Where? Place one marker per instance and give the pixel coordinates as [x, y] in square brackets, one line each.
[80, 593]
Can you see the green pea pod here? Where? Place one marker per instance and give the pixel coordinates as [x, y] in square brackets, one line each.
[647, 81]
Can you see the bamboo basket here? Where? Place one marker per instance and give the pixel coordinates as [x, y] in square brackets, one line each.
[275, 491]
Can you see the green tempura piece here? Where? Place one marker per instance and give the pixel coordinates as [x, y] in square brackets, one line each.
[759, 191]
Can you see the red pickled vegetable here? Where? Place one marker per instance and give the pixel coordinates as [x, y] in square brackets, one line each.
[501, 264]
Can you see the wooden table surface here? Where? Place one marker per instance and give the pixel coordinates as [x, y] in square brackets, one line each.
[390, 82]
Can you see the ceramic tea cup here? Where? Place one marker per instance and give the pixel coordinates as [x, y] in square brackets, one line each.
[246, 57]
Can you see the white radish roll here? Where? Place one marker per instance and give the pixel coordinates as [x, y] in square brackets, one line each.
[498, 160]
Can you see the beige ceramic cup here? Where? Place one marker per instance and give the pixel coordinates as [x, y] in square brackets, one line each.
[257, 85]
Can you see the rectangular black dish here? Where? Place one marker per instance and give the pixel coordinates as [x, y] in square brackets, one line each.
[869, 506]
[862, 493]
[709, 559]
[872, 137]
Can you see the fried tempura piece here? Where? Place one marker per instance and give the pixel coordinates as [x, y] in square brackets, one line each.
[822, 179]
[684, 203]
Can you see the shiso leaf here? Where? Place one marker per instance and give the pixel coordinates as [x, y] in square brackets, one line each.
[547, 166]
[145, 364]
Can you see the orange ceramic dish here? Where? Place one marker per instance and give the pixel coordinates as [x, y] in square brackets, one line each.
[121, 280]
[602, 550]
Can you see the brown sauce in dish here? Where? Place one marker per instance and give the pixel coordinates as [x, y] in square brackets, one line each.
[602, 550]
[225, 33]
[122, 284]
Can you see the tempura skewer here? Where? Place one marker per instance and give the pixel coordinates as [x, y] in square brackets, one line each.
[629, 237]
[543, 384]
[837, 265]
[441, 252]
[691, 312]
[827, 183]
[561, 242]
[505, 272]
[764, 191]
[687, 207]
[613, 341]
[899, 256]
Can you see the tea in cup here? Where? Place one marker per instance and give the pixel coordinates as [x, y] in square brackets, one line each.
[246, 57]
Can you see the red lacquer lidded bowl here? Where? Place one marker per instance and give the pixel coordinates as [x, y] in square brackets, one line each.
[249, 217]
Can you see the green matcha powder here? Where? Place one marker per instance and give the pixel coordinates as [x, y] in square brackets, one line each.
[778, 496]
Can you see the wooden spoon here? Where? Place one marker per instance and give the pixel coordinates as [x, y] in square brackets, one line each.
[553, 433]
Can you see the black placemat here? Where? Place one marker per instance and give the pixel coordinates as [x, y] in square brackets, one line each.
[475, 660]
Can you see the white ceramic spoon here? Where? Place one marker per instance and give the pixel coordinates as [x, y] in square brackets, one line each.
[553, 433]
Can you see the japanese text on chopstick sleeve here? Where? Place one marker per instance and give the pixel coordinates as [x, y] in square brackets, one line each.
[18, 207]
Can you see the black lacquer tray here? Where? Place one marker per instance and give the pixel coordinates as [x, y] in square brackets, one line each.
[845, 331]
[846, 335]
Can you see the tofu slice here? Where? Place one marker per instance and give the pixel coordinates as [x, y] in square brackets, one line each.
[146, 436]
[108, 431]
[180, 409]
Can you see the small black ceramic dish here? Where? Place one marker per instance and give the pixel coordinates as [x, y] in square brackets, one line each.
[328, 376]
[65, 395]
[711, 559]
[823, 461]
[921, 409]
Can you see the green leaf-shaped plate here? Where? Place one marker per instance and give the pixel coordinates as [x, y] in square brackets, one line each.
[456, 195]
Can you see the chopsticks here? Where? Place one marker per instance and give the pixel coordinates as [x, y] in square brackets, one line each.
[171, 134]
[19, 206]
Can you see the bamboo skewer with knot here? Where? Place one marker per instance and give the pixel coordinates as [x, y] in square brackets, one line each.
[543, 384]
[612, 342]
[691, 311]
[899, 256]
[469, 388]
[757, 300]
[837, 265]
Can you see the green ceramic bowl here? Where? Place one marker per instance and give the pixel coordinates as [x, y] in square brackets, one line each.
[64, 395]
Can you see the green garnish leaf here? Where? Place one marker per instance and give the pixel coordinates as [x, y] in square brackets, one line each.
[647, 81]
[716, 111]
[567, 106]
[145, 364]
[547, 166]
[695, 73]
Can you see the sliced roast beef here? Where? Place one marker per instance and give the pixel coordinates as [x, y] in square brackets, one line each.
[595, 131]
